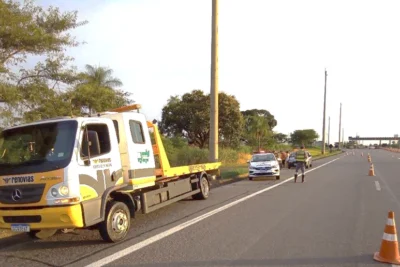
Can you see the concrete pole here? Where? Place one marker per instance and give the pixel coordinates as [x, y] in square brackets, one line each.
[343, 136]
[324, 117]
[214, 85]
[340, 123]
[329, 131]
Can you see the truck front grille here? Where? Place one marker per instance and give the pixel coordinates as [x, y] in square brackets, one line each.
[21, 194]
[23, 219]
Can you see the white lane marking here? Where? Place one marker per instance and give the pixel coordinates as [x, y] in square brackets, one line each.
[157, 237]
[378, 186]
[387, 187]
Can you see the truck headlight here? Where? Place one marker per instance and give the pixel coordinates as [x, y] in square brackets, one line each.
[54, 192]
[60, 194]
[59, 190]
[63, 190]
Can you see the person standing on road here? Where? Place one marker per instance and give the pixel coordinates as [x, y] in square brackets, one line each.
[300, 163]
[283, 157]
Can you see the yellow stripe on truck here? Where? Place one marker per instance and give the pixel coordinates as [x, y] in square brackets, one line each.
[120, 181]
[51, 218]
[87, 192]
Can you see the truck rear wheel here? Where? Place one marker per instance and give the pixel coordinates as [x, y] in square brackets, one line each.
[204, 189]
[117, 223]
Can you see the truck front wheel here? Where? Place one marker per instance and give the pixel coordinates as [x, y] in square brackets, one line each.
[117, 223]
[204, 189]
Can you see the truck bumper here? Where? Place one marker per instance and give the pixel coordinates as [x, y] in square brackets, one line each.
[44, 218]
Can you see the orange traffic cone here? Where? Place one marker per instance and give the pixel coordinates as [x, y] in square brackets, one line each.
[371, 171]
[369, 159]
[389, 252]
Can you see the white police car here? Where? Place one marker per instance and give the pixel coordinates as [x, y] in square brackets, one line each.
[264, 165]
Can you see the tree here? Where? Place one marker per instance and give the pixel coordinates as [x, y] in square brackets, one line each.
[28, 30]
[96, 90]
[269, 118]
[304, 137]
[280, 137]
[230, 120]
[254, 119]
[257, 130]
[189, 116]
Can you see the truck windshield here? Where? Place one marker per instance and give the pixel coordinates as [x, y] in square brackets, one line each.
[37, 148]
[263, 157]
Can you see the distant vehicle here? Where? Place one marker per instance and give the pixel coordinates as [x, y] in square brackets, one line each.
[292, 160]
[264, 165]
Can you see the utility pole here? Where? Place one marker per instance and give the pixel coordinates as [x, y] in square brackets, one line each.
[343, 136]
[329, 131]
[340, 122]
[214, 85]
[324, 117]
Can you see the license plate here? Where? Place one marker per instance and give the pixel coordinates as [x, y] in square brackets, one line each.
[20, 227]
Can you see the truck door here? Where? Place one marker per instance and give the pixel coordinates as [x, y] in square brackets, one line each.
[141, 153]
[100, 166]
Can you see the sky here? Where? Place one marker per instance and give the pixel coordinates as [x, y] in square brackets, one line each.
[272, 55]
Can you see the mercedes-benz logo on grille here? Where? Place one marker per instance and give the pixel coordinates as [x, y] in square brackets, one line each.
[16, 195]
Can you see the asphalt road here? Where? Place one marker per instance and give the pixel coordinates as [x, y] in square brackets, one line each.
[336, 218]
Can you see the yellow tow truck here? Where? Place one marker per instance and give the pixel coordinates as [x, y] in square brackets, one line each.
[90, 172]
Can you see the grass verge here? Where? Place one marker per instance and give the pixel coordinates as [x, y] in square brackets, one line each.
[234, 171]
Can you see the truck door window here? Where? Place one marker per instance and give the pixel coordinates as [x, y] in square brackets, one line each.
[136, 132]
[99, 140]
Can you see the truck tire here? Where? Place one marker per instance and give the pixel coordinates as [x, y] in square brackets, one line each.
[117, 223]
[204, 189]
[278, 177]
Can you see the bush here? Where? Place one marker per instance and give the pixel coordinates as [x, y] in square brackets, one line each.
[188, 155]
[180, 153]
[191, 155]
[228, 156]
